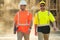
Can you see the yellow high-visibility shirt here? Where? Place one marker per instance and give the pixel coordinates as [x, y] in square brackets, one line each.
[43, 18]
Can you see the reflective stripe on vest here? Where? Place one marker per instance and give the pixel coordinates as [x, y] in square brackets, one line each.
[22, 24]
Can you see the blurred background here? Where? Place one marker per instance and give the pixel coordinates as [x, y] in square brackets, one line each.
[8, 9]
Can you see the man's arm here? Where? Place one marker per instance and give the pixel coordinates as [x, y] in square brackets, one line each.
[35, 23]
[35, 29]
[30, 20]
[52, 19]
[15, 20]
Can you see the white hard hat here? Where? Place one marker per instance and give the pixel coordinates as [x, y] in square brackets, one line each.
[22, 2]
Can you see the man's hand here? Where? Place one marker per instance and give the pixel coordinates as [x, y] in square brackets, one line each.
[29, 30]
[55, 28]
[36, 33]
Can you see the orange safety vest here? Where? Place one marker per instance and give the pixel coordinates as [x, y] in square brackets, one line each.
[23, 20]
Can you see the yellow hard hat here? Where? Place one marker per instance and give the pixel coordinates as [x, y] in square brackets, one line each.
[42, 2]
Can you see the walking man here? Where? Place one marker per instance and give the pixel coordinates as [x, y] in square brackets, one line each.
[22, 22]
[42, 22]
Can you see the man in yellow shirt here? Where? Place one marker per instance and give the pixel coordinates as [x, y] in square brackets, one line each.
[42, 22]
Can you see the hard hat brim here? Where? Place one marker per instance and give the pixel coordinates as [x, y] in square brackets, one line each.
[23, 3]
[42, 2]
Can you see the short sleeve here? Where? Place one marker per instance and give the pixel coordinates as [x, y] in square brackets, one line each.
[30, 18]
[35, 19]
[51, 17]
[15, 17]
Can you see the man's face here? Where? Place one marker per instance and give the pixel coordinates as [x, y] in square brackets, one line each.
[22, 7]
[42, 6]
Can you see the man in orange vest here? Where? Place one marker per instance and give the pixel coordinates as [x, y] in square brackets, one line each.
[23, 22]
